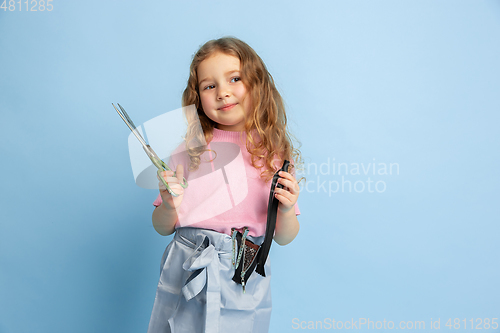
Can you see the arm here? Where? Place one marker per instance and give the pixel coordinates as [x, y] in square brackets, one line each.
[165, 215]
[164, 220]
[287, 225]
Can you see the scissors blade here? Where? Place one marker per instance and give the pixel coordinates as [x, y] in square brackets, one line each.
[126, 115]
[149, 151]
[131, 125]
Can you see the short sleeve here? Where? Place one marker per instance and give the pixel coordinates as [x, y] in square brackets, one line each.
[158, 201]
[297, 210]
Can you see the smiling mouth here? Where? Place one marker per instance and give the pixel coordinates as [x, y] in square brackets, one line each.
[227, 107]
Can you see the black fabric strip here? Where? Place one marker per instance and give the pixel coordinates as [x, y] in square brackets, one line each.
[272, 213]
[237, 272]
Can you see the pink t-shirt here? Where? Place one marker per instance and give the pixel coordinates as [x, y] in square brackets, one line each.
[226, 192]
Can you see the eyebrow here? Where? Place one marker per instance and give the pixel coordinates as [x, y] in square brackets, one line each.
[227, 73]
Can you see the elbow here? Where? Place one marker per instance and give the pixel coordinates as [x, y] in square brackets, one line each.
[163, 232]
[161, 228]
[283, 240]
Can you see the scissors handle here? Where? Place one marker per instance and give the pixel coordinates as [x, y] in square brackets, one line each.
[162, 166]
[165, 167]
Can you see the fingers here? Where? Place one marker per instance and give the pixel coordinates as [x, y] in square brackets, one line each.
[161, 186]
[173, 180]
[285, 202]
[176, 188]
[170, 177]
[289, 182]
[284, 193]
[287, 195]
[180, 172]
[286, 175]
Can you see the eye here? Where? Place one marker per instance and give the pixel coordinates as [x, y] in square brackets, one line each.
[237, 78]
[209, 86]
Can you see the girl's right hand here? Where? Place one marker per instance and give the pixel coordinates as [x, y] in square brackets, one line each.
[170, 201]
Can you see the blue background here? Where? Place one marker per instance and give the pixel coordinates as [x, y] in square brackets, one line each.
[409, 82]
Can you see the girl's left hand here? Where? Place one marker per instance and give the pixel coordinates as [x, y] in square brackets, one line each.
[289, 194]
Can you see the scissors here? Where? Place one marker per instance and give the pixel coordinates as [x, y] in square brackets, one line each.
[162, 166]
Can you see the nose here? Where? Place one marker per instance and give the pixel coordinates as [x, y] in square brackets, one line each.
[223, 91]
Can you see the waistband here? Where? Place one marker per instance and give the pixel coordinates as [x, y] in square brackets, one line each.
[222, 243]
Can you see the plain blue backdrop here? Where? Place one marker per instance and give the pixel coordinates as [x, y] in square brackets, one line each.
[413, 83]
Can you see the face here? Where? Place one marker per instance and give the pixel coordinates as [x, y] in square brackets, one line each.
[223, 95]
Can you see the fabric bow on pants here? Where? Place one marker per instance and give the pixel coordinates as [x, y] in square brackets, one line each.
[196, 292]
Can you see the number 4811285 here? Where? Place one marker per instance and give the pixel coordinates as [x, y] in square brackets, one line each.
[27, 5]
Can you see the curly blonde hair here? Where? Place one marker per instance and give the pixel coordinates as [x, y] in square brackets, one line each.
[267, 117]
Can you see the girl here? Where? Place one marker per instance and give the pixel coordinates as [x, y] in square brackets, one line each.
[238, 106]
